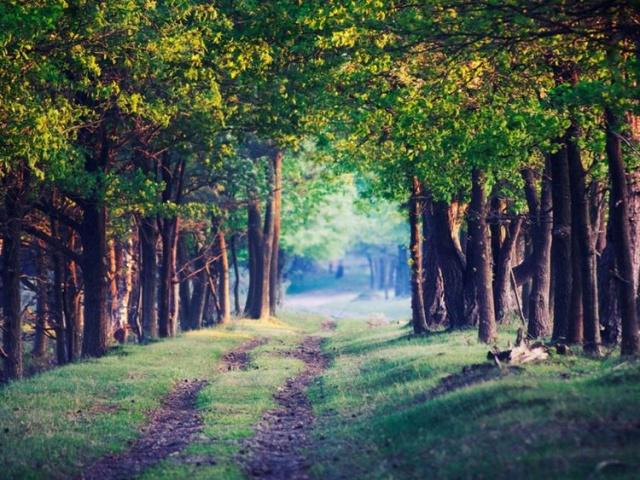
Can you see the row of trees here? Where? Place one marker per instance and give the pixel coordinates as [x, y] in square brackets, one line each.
[141, 160]
[511, 130]
[141, 137]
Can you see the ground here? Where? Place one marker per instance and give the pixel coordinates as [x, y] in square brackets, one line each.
[346, 397]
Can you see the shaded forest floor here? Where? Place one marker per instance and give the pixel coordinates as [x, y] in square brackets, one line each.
[388, 405]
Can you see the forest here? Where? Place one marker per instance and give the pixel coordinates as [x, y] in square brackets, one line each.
[319, 238]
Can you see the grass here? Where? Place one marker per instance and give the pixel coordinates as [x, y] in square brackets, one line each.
[572, 417]
[55, 424]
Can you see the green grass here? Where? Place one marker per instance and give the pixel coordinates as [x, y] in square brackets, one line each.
[55, 424]
[555, 420]
[560, 419]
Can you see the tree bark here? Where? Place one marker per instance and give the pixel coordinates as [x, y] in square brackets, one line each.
[73, 299]
[149, 277]
[94, 272]
[223, 262]
[630, 344]
[184, 285]
[236, 274]
[40, 340]
[452, 265]
[418, 316]
[255, 242]
[274, 271]
[502, 271]
[581, 230]
[542, 223]
[58, 303]
[561, 261]
[11, 301]
[481, 266]
[167, 301]
[262, 309]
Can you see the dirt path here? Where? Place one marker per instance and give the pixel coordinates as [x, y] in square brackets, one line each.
[171, 427]
[275, 451]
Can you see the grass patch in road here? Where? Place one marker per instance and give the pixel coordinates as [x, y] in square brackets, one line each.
[572, 417]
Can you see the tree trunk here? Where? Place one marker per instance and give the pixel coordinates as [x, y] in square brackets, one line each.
[262, 309]
[502, 271]
[452, 265]
[223, 262]
[94, 272]
[561, 260]
[372, 272]
[274, 271]
[149, 277]
[481, 266]
[432, 286]
[254, 241]
[11, 302]
[73, 299]
[57, 304]
[418, 316]
[167, 301]
[184, 285]
[236, 274]
[199, 296]
[630, 344]
[581, 230]
[542, 223]
[40, 340]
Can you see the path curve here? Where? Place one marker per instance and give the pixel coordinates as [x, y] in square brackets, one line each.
[276, 449]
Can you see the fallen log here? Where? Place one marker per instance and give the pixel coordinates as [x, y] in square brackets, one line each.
[522, 352]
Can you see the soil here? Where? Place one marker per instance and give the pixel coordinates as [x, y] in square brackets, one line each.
[239, 358]
[171, 427]
[470, 375]
[276, 451]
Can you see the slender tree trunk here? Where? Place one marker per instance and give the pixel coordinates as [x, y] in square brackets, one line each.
[542, 223]
[419, 319]
[481, 266]
[561, 247]
[630, 344]
[167, 301]
[274, 271]
[40, 340]
[581, 229]
[57, 303]
[11, 302]
[255, 244]
[184, 285]
[73, 296]
[225, 297]
[262, 309]
[149, 277]
[199, 296]
[372, 272]
[236, 274]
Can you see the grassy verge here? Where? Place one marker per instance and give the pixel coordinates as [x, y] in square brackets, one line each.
[54, 424]
[572, 417]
